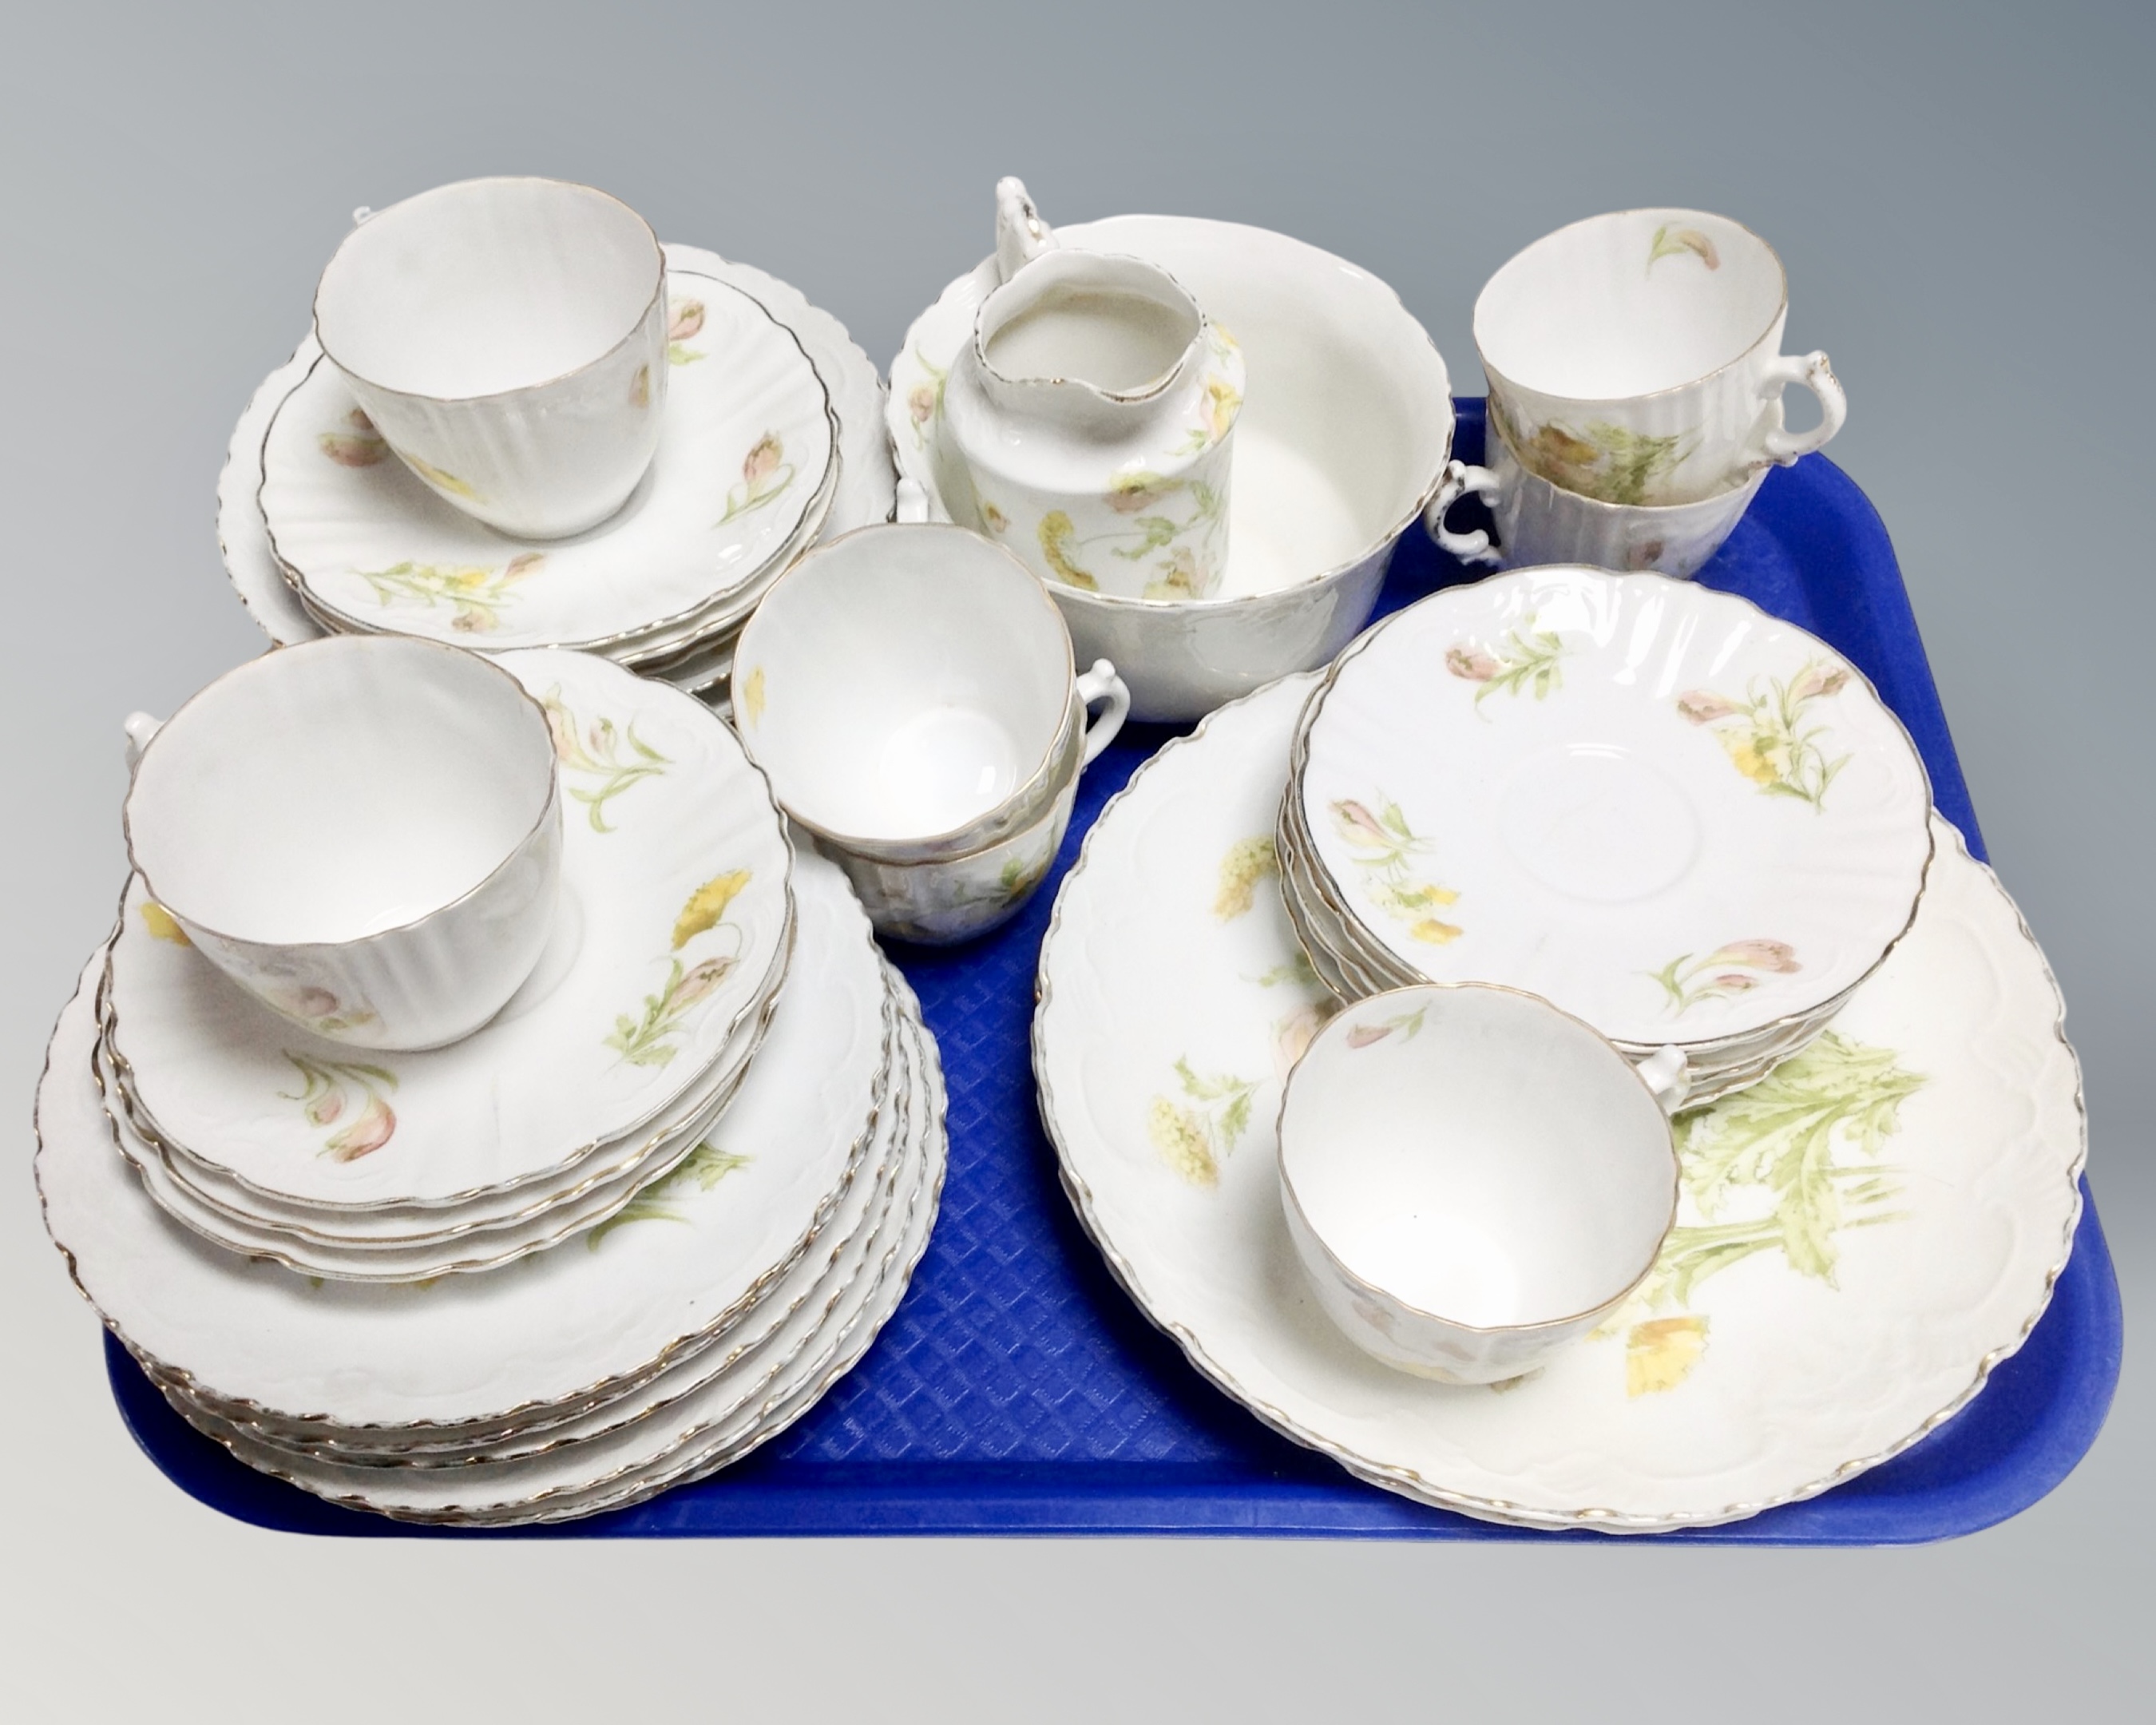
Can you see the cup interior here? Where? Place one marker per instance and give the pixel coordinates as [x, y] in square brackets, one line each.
[1629, 304]
[486, 286]
[331, 791]
[1119, 324]
[906, 681]
[1478, 1155]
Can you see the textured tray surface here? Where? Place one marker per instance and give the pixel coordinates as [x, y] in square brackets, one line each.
[1017, 1391]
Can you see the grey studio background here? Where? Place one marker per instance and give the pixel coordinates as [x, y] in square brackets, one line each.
[1961, 194]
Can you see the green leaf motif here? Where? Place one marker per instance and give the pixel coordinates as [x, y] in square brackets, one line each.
[661, 1201]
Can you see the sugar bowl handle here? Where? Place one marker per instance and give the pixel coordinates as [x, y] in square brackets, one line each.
[140, 728]
[1459, 481]
[1668, 1076]
[1814, 373]
[1102, 684]
[1021, 236]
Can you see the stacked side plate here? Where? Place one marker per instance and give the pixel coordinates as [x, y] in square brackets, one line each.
[699, 1320]
[603, 1073]
[772, 439]
[1687, 823]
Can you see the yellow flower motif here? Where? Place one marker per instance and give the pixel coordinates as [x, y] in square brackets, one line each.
[707, 904]
[442, 481]
[1761, 759]
[1660, 1352]
[1222, 400]
[997, 521]
[1056, 528]
[752, 695]
[1437, 933]
[639, 388]
[1245, 865]
[161, 923]
[1179, 1135]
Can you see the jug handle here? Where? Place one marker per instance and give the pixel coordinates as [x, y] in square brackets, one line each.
[1021, 236]
[1668, 1076]
[140, 728]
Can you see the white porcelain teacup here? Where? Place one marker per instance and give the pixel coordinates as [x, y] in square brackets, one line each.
[507, 337]
[1092, 414]
[1473, 1179]
[1636, 357]
[364, 832]
[909, 690]
[1539, 522]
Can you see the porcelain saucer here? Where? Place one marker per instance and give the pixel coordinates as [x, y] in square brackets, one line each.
[864, 494]
[1863, 1237]
[675, 908]
[747, 443]
[478, 1355]
[1679, 818]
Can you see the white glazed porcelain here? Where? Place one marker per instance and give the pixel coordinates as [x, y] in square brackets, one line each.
[1664, 811]
[909, 689]
[1787, 1340]
[1472, 1178]
[679, 1428]
[746, 465]
[945, 900]
[1636, 357]
[1092, 414]
[1338, 447]
[483, 1354]
[366, 835]
[674, 913]
[507, 339]
[1539, 522]
[863, 494]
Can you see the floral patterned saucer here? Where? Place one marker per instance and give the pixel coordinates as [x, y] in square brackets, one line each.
[1673, 815]
[748, 444]
[669, 939]
[1862, 1238]
[473, 1359]
[863, 492]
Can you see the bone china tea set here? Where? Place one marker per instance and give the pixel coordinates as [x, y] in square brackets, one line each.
[493, 1106]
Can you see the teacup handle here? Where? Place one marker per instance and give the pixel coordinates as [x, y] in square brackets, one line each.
[1813, 372]
[1668, 1076]
[140, 728]
[1102, 684]
[911, 504]
[1021, 236]
[1459, 481]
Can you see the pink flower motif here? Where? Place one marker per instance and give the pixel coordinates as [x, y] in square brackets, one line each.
[1291, 1036]
[525, 564]
[1735, 981]
[1362, 1036]
[701, 981]
[688, 320]
[1357, 821]
[1470, 667]
[1819, 679]
[374, 1128]
[1703, 707]
[763, 460]
[921, 402]
[1777, 956]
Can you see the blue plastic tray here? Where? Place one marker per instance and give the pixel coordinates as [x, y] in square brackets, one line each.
[1017, 1391]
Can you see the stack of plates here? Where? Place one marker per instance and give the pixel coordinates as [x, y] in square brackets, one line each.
[604, 1072]
[773, 440]
[1686, 822]
[697, 1322]
[1861, 1239]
